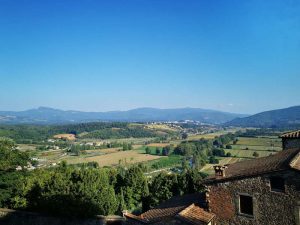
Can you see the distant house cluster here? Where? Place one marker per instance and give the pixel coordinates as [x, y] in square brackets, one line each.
[264, 191]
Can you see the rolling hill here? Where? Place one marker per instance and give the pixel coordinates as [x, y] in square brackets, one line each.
[287, 117]
[45, 115]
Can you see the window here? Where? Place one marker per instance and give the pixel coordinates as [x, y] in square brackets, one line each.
[246, 205]
[277, 184]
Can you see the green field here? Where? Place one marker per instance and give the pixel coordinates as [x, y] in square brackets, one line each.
[244, 149]
[260, 141]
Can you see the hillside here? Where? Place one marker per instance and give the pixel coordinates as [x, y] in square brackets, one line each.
[280, 118]
[44, 115]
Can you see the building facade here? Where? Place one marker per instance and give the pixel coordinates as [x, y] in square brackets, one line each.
[290, 140]
[264, 191]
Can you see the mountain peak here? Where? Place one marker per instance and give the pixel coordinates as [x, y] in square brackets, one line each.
[47, 115]
[287, 117]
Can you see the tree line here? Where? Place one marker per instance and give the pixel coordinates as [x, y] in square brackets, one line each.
[86, 190]
[35, 134]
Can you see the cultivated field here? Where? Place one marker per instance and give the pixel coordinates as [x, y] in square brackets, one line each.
[160, 145]
[162, 127]
[113, 159]
[260, 141]
[138, 141]
[244, 149]
[214, 134]
[70, 137]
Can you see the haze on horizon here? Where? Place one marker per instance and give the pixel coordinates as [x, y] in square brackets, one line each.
[234, 56]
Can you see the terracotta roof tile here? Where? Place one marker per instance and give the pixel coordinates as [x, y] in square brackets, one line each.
[196, 215]
[168, 208]
[293, 134]
[281, 161]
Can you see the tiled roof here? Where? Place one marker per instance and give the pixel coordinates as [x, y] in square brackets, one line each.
[283, 160]
[196, 215]
[169, 208]
[294, 134]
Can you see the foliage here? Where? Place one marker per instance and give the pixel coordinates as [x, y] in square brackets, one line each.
[107, 133]
[184, 136]
[213, 160]
[148, 150]
[10, 157]
[36, 134]
[10, 183]
[126, 146]
[228, 154]
[164, 186]
[218, 152]
[170, 161]
[157, 151]
[228, 147]
[68, 192]
[132, 184]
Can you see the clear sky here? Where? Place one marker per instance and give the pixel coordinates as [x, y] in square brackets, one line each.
[93, 55]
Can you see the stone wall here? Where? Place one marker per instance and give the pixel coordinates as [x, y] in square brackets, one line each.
[14, 217]
[269, 207]
[289, 143]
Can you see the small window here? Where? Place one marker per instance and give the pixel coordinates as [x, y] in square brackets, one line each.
[246, 205]
[277, 184]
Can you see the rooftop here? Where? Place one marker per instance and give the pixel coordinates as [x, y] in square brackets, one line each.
[195, 215]
[186, 207]
[293, 134]
[283, 160]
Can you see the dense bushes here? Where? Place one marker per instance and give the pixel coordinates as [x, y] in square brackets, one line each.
[164, 186]
[10, 157]
[68, 192]
[87, 191]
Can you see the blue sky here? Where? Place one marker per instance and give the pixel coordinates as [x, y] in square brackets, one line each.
[229, 55]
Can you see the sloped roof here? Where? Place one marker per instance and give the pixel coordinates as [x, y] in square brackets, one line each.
[293, 134]
[196, 215]
[169, 208]
[283, 160]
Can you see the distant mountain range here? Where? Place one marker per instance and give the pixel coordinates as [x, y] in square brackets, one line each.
[45, 115]
[288, 117]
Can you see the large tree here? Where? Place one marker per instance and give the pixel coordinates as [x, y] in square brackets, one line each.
[10, 157]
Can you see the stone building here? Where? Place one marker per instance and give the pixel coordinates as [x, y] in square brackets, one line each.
[181, 210]
[264, 191]
[290, 140]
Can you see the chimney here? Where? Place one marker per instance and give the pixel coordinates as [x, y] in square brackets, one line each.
[220, 170]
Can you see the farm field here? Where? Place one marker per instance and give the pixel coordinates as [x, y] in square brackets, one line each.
[138, 141]
[26, 147]
[160, 145]
[248, 153]
[162, 127]
[113, 159]
[214, 134]
[244, 149]
[260, 141]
